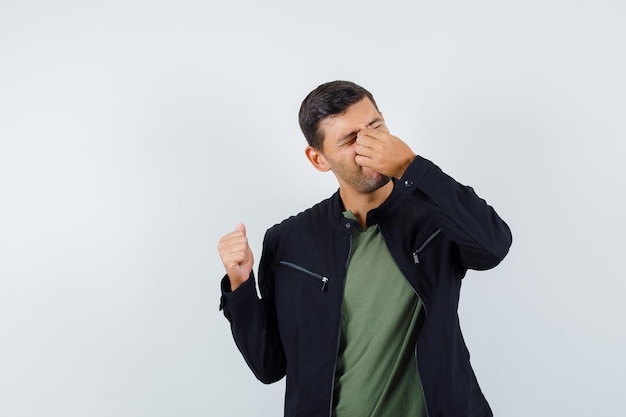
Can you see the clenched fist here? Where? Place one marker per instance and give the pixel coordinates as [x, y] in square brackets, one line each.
[236, 256]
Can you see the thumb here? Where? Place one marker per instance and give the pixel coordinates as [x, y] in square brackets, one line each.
[241, 228]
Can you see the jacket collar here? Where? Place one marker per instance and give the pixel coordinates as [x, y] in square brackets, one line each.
[374, 216]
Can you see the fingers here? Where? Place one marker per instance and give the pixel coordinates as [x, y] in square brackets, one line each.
[368, 134]
[236, 255]
[365, 150]
[368, 143]
[383, 152]
[368, 137]
[363, 161]
[233, 247]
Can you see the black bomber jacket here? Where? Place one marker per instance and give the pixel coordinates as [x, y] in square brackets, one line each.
[435, 229]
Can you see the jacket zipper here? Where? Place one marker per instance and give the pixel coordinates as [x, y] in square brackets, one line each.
[332, 384]
[417, 365]
[417, 261]
[416, 258]
[309, 273]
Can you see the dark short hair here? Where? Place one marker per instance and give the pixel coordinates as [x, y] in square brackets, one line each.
[327, 100]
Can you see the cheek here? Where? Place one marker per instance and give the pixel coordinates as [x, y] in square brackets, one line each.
[350, 152]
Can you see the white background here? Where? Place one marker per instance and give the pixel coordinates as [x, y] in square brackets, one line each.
[133, 134]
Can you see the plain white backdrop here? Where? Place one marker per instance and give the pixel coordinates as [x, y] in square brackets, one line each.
[133, 134]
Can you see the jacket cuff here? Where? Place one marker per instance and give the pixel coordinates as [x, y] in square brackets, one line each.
[231, 299]
[414, 174]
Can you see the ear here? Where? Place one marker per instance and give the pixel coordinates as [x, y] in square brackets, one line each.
[317, 159]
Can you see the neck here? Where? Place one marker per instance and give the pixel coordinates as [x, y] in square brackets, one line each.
[360, 204]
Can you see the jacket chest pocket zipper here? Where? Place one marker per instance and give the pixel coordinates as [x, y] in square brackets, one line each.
[322, 278]
[416, 253]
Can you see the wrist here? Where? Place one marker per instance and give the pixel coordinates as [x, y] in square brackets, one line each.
[236, 282]
[403, 167]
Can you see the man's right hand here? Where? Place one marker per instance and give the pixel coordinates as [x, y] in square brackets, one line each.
[236, 256]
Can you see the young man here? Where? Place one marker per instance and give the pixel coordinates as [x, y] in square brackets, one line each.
[359, 293]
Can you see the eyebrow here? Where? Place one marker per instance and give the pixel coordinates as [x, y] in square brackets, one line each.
[354, 132]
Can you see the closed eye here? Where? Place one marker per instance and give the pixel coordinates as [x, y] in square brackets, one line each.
[351, 137]
[348, 141]
[376, 123]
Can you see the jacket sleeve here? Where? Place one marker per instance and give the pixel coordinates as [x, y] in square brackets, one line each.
[254, 325]
[482, 236]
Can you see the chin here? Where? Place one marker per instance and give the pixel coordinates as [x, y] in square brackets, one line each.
[374, 183]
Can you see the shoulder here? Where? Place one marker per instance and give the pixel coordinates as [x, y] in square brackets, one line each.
[304, 222]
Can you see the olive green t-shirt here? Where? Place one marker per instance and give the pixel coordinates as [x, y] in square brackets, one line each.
[376, 373]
